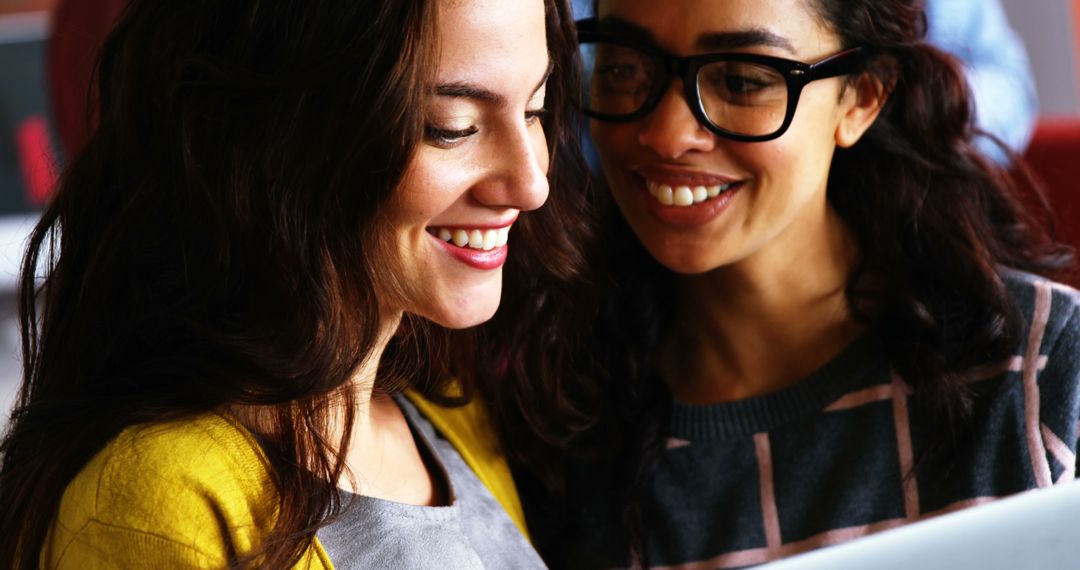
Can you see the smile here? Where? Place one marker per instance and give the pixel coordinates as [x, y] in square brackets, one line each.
[684, 195]
[473, 238]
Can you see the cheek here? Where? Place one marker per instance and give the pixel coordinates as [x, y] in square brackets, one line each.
[800, 158]
[608, 136]
[616, 145]
[780, 168]
[429, 188]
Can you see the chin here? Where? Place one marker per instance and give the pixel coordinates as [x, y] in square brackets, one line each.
[464, 311]
[683, 268]
[680, 261]
[470, 319]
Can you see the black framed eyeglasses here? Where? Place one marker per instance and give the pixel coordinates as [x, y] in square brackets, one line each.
[740, 96]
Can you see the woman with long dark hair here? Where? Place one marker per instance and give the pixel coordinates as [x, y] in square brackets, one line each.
[284, 209]
[829, 313]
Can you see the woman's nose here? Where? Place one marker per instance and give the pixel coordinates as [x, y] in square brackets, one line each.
[519, 171]
[671, 129]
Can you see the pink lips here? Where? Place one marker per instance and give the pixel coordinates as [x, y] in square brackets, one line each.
[479, 259]
[676, 176]
[491, 256]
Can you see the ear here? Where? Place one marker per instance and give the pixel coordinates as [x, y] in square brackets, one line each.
[861, 103]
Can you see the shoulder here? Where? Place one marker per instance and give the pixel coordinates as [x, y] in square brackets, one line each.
[201, 485]
[1049, 356]
[201, 441]
[1050, 309]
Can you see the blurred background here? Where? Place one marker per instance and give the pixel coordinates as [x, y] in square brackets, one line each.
[38, 119]
[29, 154]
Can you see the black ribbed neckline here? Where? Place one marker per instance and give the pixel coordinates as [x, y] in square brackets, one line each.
[852, 367]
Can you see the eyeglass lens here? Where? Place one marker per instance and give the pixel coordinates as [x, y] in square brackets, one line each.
[738, 97]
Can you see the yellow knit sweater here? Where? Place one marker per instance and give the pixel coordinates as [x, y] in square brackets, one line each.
[192, 493]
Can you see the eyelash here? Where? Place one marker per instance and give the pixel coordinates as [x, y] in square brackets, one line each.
[446, 138]
[532, 116]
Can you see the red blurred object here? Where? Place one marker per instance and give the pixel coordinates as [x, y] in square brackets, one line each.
[79, 27]
[1054, 157]
[36, 159]
[20, 6]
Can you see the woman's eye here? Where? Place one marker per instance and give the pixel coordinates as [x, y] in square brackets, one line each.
[623, 77]
[532, 117]
[446, 138]
[747, 84]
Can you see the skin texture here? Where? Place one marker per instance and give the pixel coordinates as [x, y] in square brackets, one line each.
[761, 280]
[484, 162]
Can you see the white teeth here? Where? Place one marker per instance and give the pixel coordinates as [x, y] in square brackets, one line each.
[490, 238]
[485, 240]
[684, 195]
[461, 238]
[700, 194]
[664, 194]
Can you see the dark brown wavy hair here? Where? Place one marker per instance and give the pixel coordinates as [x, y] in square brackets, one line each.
[935, 220]
[215, 245]
[942, 219]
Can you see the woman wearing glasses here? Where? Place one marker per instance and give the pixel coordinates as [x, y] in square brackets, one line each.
[239, 270]
[830, 314]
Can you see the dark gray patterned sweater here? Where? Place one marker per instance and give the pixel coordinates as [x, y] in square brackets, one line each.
[825, 461]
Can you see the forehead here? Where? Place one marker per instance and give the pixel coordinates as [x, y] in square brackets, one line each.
[681, 25]
[488, 38]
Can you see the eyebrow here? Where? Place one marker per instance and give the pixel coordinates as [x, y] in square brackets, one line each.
[718, 41]
[744, 38]
[466, 90]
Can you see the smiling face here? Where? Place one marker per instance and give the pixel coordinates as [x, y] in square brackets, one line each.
[699, 202]
[482, 164]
